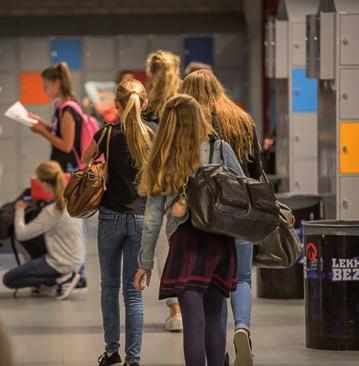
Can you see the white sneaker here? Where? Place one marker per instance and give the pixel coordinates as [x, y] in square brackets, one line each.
[46, 291]
[243, 347]
[67, 285]
[174, 323]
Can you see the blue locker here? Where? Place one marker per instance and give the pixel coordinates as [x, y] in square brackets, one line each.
[304, 92]
[68, 50]
[198, 49]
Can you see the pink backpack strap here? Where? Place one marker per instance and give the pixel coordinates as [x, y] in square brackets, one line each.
[77, 108]
[74, 105]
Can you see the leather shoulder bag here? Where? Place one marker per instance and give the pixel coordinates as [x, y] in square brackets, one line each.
[224, 203]
[86, 187]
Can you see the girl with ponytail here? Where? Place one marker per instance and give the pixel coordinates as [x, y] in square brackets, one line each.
[64, 238]
[64, 134]
[163, 73]
[121, 220]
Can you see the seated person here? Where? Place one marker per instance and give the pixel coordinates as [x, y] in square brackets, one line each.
[64, 239]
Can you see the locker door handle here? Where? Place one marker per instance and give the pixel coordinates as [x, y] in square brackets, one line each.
[345, 96]
[54, 53]
[296, 45]
[296, 91]
[296, 138]
[345, 204]
[345, 42]
[345, 150]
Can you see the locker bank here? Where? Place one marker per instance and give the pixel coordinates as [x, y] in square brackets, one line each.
[293, 66]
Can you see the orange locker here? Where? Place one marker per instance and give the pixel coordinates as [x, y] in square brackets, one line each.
[31, 89]
[349, 148]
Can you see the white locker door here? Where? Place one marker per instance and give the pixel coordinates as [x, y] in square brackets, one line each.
[9, 88]
[305, 135]
[132, 52]
[230, 50]
[166, 42]
[348, 86]
[349, 39]
[349, 198]
[34, 53]
[8, 54]
[305, 177]
[298, 44]
[99, 53]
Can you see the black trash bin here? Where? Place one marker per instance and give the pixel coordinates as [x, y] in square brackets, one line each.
[289, 283]
[331, 270]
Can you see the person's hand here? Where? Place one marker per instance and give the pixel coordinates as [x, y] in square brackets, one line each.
[21, 205]
[40, 128]
[36, 117]
[141, 276]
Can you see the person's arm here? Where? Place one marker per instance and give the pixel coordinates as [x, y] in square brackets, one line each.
[254, 166]
[230, 159]
[155, 208]
[45, 221]
[64, 143]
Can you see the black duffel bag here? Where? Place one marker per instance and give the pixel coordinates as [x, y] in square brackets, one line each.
[222, 202]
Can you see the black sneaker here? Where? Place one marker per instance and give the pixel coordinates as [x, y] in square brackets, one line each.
[81, 288]
[132, 364]
[226, 359]
[66, 285]
[114, 360]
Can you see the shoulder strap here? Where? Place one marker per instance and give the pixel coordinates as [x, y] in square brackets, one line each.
[108, 147]
[212, 142]
[74, 105]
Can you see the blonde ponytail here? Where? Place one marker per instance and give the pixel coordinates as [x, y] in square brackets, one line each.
[131, 95]
[164, 68]
[50, 172]
[60, 72]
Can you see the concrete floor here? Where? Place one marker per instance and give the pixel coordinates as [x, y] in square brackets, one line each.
[46, 332]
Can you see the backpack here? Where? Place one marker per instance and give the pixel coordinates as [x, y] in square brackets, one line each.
[89, 127]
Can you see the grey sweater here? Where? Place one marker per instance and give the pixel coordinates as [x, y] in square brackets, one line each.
[64, 237]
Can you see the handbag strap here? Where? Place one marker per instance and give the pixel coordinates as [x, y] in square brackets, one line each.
[98, 153]
[108, 148]
[212, 141]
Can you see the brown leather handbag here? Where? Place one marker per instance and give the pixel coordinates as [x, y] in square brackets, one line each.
[86, 187]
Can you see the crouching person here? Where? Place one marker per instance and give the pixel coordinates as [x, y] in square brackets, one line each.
[56, 272]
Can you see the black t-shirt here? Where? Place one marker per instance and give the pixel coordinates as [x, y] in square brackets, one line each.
[67, 161]
[121, 194]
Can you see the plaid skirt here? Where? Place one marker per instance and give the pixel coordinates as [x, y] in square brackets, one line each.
[197, 260]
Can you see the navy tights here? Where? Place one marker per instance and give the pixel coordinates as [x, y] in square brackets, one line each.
[204, 333]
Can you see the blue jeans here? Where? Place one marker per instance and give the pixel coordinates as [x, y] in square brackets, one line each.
[31, 274]
[241, 299]
[120, 235]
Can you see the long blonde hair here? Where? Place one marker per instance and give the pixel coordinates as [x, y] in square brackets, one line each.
[60, 72]
[175, 152]
[50, 172]
[164, 67]
[234, 125]
[131, 95]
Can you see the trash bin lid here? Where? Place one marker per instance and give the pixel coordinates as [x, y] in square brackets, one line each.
[299, 201]
[332, 227]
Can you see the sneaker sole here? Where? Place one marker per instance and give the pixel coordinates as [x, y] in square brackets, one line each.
[73, 284]
[80, 291]
[243, 349]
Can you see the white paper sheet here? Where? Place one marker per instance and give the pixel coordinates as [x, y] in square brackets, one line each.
[18, 113]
